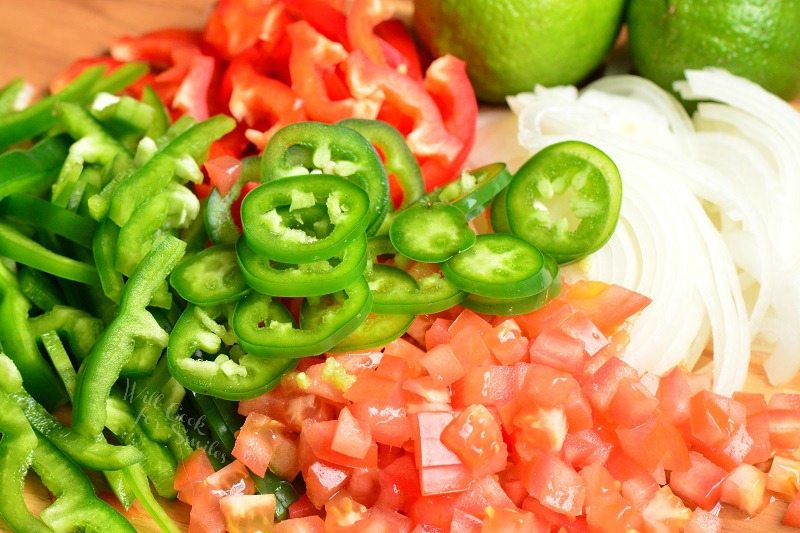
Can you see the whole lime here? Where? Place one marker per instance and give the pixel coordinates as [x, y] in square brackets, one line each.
[756, 39]
[511, 45]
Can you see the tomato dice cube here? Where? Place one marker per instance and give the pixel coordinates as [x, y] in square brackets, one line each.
[469, 319]
[792, 516]
[539, 429]
[714, 418]
[439, 333]
[512, 521]
[256, 442]
[194, 469]
[248, 512]
[308, 524]
[784, 429]
[607, 306]
[475, 437]
[703, 522]
[442, 364]
[746, 489]
[388, 422]
[586, 447]
[665, 512]
[632, 404]
[485, 492]
[555, 484]
[323, 480]
[506, 343]
[469, 348]
[784, 400]
[701, 485]
[784, 476]
[465, 523]
[351, 436]
[601, 387]
[559, 350]
[580, 327]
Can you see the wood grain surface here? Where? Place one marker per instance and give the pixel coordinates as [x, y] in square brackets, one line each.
[38, 38]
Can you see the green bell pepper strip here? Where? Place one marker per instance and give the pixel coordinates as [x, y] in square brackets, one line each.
[498, 214]
[104, 250]
[24, 209]
[133, 325]
[265, 328]
[500, 266]
[118, 171]
[17, 247]
[39, 289]
[137, 480]
[38, 117]
[431, 233]
[158, 172]
[218, 217]
[80, 329]
[160, 121]
[399, 161]
[77, 507]
[155, 413]
[222, 377]
[210, 277]
[175, 130]
[376, 331]
[159, 464]
[80, 124]
[268, 234]
[16, 455]
[309, 279]
[222, 437]
[569, 177]
[33, 171]
[473, 191]
[122, 78]
[195, 235]
[122, 115]
[301, 148]
[513, 306]
[60, 359]
[9, 95]
[20, 344]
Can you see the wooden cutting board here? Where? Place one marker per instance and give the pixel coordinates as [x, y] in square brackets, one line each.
[38, 38]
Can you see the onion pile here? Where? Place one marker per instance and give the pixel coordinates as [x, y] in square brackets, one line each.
[710, 225]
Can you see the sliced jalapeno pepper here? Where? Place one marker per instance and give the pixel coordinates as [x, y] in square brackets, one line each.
[399, 162]
[512, 306]
[312, 146]
[498, 213]
[210, 277]
[474, 190]
[268, 234]
[80, 329]
[308, 279]
[265, 327]
[431, 233]
[565, 200]
[500, 266]
[376, 331]
[232, 376]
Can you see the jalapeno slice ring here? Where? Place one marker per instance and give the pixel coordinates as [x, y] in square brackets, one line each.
[431, 233]
[512, 306]
[210, 277]
[473, 191]
[376, 331]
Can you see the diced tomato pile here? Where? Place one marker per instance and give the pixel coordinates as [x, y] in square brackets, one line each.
[475, 423]
[270, 63]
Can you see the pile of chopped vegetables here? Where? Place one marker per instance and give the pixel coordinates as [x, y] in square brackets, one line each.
[330, 325]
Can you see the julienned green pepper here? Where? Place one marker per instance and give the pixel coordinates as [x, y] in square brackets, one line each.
[301, 148]
[20, 344]
[232, 374]
[122, 115]
[265, 328]
[273, 217]
[39, 288]
[161, 119]
[24, 209]
[32, 171]
[218, 217]
[104, 251]
[80, 329]
[399, 161]
[134, 326]
[9, 95]
[190, 148]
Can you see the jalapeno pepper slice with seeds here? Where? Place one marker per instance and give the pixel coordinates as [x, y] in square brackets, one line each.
[500, 266]
[268, 234]
[307, 279]
[376, 331]
[512, 306]
[210, 277]
[396, 291]
[431, 233]
[473, 191]
[309, 147]
[565, 200]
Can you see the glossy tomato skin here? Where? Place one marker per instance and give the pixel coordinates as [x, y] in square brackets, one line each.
[555, 484]
[701, 485]
[792, 516]
[192, 470]
[476, 438]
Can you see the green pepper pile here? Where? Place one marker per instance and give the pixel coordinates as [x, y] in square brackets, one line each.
[154, 310]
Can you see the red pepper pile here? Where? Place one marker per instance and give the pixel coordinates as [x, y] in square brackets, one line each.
[272, 63]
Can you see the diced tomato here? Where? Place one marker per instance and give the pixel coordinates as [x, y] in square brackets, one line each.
[784, 429]
[308, 524]
[433, 511]
[599, 483]
[438, 333]
[487, 385]
[206, 520]
[428, 447]
[701, 485]
[758, 428]
[644, 443]
[607, 306]
[320, 436]
[639, 489]
[784, 400]
[419, 327]
[613, 513]
[394, 521]
[792, 516]
[469, 347]
[260, 438]
[784, 477]
[549, 316]
[250, 512]
[341, 511]
[429, 389]
[370, 385]
[703, 522]
[558, 349]
[394, 368]
[405, 350]
[555, 484]
[676, 457]
[754, 403]
[442, 364]
[485, 492]
[601, 387]
[714, 418]
[475, 437]
[429, 138]
[323, 480]
[223, 172]
[194, 469]
[364, 486]
[465, 523]
[302, 508]
[399, 481]
[632, 404]
[506, 343]
[388, 422]
[233, 479]
[324, 388]
[665, 512]
[586, 447]
[746, 489]
[512, 521]
[674, 396]
[467, 319]
[539, 429]
[733, 451]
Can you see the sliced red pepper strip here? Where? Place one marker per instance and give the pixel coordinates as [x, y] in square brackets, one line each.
[327, 19]
[396, 39]
[312, 56]
[193, 93]
[428, 137]
[447, 82]
[236, 25]
[266, 105]
[157, 47]
[362, 18]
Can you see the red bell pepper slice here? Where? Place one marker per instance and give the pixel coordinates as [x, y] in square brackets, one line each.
[399, 47]
[447, 82]
[313, 56]
[193, 93]
[236, 25]
[362, 18]
[264, 104]
[324, 16]
[428, 137]
[157, 48]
